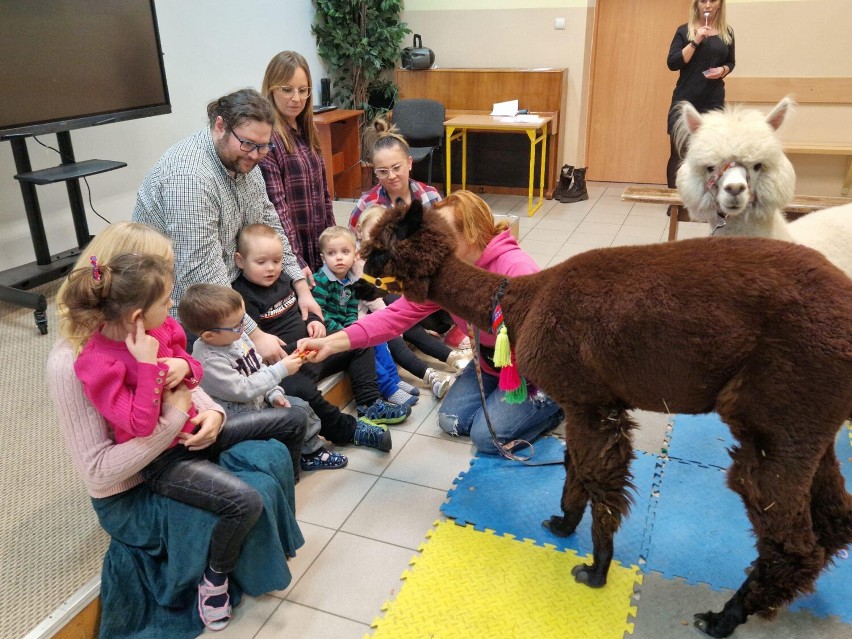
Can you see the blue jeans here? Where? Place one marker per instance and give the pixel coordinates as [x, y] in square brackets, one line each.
[461, 413]
[193, 477]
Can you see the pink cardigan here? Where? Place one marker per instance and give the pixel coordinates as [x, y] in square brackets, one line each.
[503, 255]
[126, 392]
[107, 468]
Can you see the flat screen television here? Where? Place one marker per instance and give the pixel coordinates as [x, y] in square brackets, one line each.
[68, 64]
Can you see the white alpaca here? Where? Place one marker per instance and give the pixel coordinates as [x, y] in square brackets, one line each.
[736, 178]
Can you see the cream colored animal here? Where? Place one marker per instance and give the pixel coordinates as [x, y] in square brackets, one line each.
[736, 178]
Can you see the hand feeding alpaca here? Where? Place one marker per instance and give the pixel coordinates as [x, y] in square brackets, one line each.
[736, 178]
[756, 330]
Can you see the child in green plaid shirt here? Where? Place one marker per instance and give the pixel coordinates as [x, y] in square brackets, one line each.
[336, 297]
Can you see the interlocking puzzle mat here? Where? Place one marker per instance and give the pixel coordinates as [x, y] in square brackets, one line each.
[698, 529]
[511, 498]
[703, 439]
[468, 583]
[833, 595]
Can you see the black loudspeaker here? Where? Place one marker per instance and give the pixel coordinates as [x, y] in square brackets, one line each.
[325, 92]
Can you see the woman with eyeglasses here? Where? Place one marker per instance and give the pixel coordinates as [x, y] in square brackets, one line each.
[294, 170]
[391, 160]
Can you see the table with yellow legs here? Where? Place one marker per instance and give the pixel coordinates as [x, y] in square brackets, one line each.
[457, 128]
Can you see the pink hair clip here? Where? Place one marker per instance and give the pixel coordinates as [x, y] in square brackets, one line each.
[96, 271]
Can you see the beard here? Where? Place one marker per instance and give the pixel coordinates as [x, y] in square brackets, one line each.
[234, 161]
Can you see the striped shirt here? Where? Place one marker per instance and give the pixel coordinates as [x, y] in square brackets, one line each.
[296, 184]
[190, 197]
[378, 195]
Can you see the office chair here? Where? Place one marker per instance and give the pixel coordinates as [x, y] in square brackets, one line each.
[421, 122]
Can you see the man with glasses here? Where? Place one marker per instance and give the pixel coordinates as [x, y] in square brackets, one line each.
[206, 188]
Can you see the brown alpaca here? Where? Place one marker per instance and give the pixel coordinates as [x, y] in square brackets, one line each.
[758, 330]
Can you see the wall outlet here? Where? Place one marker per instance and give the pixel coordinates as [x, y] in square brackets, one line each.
[559, 24]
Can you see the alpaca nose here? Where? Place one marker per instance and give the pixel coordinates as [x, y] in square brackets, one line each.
[735, 189]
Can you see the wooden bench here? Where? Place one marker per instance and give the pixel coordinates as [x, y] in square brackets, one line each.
[801, 204]
[804, 148]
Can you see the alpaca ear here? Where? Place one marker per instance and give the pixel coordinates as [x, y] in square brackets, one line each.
[777, 116]
[690, 117]
[411, 221]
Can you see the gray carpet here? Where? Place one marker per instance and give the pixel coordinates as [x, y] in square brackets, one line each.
[50, 541]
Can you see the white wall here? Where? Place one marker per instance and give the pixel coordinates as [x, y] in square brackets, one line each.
[211, 47]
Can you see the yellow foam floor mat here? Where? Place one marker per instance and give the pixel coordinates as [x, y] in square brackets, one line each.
[467, 584]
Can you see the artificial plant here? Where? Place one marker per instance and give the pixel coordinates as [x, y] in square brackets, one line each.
[359, 40]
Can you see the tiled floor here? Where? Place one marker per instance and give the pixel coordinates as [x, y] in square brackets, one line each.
[364, 523]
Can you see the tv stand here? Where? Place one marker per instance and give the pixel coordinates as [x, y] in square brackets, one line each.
[16, 282]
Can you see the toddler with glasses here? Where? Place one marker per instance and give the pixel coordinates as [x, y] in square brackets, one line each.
[238, 379]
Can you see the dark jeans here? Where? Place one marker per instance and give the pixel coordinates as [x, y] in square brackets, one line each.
[360, 363]
[439, 321]
[193, 477]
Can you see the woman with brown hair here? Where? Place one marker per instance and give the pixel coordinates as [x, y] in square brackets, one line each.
[294, 171]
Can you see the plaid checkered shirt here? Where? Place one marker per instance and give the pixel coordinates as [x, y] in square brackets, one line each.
[190, 197]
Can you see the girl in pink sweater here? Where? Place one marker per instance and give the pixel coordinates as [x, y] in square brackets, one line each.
[136, 354]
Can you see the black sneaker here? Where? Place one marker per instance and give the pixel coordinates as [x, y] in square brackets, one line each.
[381, 412]
[372, 435]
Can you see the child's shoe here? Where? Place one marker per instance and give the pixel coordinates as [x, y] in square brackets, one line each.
[459, 358]
[408, 388]
[440, 383]
[399, 396]
[372, 435]
[323, 460]
[214, 603]
[381, 412]
[456, 338]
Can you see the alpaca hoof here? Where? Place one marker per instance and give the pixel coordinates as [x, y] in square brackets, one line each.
[558, 527]
[583, 574]
[709, 623]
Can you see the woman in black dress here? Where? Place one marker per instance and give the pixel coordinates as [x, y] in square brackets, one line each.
[702, 51]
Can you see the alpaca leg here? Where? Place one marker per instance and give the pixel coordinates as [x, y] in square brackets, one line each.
[774, 489]
[574, 500]
[601, 449]
[831, 506]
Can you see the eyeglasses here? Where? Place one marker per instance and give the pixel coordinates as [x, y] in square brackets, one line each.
[236, 329]
[396, 169]
[288, 92]
[248, 146]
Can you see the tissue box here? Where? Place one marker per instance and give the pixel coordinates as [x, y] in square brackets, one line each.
[512, 220]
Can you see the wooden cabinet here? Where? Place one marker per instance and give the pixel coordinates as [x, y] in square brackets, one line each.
[340, 142]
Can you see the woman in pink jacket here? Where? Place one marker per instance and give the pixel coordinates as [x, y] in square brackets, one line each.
[492, 247]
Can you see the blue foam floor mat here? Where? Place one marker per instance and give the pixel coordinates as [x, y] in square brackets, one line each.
[510, 498]
[685, 523]
[703, 439]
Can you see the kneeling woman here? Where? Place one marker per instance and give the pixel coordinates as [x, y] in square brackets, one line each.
[490, 246]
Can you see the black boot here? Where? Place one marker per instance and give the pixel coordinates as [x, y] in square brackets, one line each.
[577, 192]
[566, 178]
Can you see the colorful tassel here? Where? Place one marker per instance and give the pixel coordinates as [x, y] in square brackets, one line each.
[509, 378]
[502, 349]
[519, 395]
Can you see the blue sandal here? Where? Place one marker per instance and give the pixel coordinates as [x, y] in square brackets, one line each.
[323, 460]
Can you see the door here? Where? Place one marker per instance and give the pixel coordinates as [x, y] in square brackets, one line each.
[631, 89]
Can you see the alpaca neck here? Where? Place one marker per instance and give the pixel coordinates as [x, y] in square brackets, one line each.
[465, 290]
